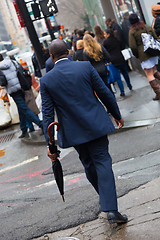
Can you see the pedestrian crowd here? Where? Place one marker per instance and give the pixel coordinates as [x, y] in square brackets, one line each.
[76, 79]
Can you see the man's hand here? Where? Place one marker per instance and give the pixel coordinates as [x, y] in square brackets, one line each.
[53, 156]
[120, 123]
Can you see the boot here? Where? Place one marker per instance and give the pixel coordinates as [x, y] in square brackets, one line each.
[157, 75]
[24, 135]
[156, 88]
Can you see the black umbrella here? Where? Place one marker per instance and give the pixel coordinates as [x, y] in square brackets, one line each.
[56, 165]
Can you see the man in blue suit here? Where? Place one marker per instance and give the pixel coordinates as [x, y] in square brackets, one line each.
[70, 88]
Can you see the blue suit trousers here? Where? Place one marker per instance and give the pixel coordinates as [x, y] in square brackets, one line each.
[98, 168]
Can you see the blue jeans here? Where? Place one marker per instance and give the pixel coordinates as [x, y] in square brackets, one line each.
[25, 114]
[120, 85]
[98, 168]
[124, 70]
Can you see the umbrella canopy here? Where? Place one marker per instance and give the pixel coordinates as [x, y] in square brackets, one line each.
[56, 165]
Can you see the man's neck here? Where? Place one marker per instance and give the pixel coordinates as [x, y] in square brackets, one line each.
[60, 59]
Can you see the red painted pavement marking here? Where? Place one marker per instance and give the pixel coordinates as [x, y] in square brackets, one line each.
[75, 180]
[35, 174]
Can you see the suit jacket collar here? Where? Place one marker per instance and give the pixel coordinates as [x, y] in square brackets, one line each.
[62, 59]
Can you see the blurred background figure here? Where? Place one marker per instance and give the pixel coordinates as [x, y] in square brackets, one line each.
[113, 46]
[78, 55]
[147, 62]
[79, 36]
[97, 55]
[37, 71]
[99, 34]
[14, 89]
[156, 16]
[125, 28]
[118, 33]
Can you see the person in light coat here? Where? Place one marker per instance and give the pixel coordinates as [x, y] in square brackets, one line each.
[14, 89]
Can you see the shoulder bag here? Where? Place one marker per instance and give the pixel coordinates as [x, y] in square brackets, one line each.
[3, 80]
[151, 45]
[113, 73]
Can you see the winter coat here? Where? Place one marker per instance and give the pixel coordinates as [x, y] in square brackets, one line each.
[136, 44]
[78, 55]
[117, 32]
[37, 71]
[157, 26]
[99, 65]
[113, 46]
[9, 70]
[125, 28]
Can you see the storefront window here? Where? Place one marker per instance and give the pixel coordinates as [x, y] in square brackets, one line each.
[125, 7]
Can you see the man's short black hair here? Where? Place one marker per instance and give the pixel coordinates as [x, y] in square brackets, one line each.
[80, 33]
[1, 57]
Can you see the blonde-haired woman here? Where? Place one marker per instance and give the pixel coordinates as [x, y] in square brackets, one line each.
[97, 55]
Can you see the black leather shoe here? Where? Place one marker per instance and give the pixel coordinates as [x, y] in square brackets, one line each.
[31, 130]
[116, 217]
[24, 135]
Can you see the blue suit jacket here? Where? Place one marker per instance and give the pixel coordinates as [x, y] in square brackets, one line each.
[69, 89]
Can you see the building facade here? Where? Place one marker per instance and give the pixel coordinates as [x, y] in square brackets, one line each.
[95, 12]
[5, 41]
[16, 33]
[99, 10]
[116, 9]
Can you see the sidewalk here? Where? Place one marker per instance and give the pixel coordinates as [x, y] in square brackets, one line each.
[137, 107]
[142, 204]
[142, 208]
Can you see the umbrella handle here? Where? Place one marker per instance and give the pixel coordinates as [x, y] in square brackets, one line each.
[49, 130]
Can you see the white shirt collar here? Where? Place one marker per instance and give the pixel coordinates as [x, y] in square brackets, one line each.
[61, 60]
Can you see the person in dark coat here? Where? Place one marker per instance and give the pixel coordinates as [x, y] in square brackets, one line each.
[156, 15]
[97, 55]
[78, 55]
[79, 36]
[37, 70]
[118, 33]
[49, 63]
[84, 124]
[125, 28]
[113, 46]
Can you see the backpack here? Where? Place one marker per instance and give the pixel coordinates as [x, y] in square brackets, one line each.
[24, 77]
[3, 80]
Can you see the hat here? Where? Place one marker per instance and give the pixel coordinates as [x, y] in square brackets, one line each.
[133, 18]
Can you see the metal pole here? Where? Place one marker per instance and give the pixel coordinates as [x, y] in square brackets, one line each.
[49, 28]
[31, 32]
[140, 8]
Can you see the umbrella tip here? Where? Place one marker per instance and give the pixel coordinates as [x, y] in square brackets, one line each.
[63, 198]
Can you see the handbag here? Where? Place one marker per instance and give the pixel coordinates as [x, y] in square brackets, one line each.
[3, 80]
[127, 53]
[24, 77]
[113, 73]
[151, 45]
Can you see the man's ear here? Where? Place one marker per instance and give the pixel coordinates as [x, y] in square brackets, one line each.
[52, 57]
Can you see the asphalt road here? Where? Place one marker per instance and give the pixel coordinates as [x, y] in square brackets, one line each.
[30, 204]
